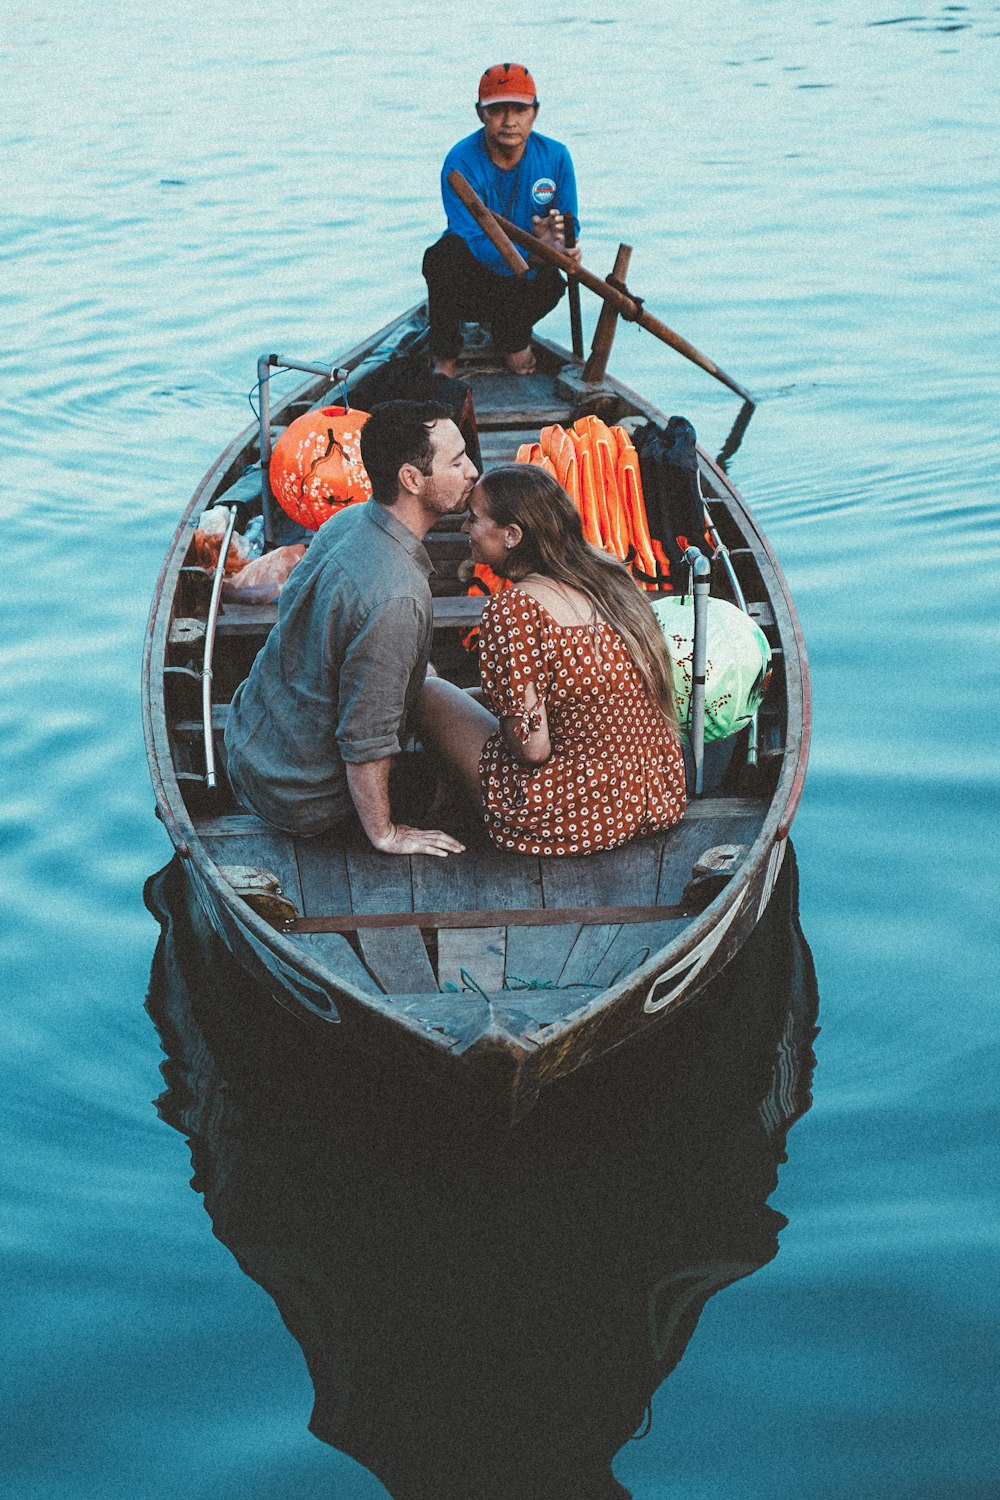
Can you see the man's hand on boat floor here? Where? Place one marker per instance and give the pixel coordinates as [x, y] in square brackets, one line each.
[368, 784]
[403, 840]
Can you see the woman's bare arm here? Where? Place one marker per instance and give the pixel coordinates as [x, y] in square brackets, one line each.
[527, 735]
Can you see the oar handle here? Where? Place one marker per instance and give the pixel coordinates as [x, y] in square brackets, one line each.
[573, 293]
[487, 222]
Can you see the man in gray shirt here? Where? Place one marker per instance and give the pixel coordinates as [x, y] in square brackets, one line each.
[313, 730]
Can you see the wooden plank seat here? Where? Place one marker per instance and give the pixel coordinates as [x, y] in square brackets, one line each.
[485, 920]
[500, 446]
[451, 612]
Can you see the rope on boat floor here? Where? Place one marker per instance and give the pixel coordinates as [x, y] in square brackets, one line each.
[514, 982]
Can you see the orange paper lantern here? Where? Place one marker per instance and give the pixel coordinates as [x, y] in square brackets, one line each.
[316, 466]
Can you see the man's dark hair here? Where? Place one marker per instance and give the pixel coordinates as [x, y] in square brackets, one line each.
[398, 433]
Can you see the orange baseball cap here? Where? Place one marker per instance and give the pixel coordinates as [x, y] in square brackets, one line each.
[507, 83]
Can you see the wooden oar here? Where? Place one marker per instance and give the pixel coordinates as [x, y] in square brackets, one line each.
[631, 310]
[487, 222]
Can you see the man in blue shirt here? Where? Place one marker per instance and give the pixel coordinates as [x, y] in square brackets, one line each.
[527, 178]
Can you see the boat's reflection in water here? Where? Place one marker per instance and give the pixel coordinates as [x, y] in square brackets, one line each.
[489, 1316]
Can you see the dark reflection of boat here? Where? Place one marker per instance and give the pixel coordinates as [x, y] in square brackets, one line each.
[488, 1314]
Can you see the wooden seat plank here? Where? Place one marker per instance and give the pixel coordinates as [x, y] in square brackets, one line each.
[636, 868]
[689, 841]
[482, 879]
[721, 807]
[383, 883]
[635, 943]
[609, 878]
[323, 875]
[500, 395]
[587, 952]
[224, 825]
[336, 953]
[444, 884]
[508, 880]
[450, 611]
[378, 882]
[538, 953]
[457, 611]
[230, 825]
[500, 417]
[263, 849]
[480, 951]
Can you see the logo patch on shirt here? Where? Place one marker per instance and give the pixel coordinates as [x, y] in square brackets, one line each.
[543, 191]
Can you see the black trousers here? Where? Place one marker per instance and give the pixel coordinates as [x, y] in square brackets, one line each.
[460, 289]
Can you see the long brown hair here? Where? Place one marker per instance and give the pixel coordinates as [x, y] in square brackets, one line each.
[552, 543]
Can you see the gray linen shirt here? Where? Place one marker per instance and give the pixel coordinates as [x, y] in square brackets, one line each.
[338, 675]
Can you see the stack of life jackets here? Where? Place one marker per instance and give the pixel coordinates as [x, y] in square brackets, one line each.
[638, 499]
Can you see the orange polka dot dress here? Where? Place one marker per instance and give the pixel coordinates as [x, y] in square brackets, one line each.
[615, 771]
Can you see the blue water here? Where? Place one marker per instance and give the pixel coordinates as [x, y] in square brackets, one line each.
[811, 193]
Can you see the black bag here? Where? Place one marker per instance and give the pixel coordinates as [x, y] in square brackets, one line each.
[675, 512]
[408, 378]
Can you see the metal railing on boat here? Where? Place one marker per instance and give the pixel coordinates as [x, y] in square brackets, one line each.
[211, 776]
[265, 365]
[722, 552]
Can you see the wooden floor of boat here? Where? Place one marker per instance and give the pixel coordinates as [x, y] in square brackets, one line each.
[333, 876]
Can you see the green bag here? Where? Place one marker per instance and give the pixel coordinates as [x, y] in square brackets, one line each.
[737, 666]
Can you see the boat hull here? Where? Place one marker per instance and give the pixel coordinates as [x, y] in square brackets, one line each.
[502, 1044]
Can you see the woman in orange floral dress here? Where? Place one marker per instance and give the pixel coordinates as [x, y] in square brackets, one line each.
[574, 666]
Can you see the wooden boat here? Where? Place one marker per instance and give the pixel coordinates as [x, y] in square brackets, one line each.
[494, 972]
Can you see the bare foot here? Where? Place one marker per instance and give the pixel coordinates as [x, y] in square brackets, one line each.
[522, 361]
[444, 367]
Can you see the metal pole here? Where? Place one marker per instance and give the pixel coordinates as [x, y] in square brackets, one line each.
[701, 570]
[264, 396]
[573, 290]
[265, 364]
[330, 371]
[722, 551]
[206, 670]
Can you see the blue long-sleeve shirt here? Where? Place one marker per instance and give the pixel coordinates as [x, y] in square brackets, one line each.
[542, 179]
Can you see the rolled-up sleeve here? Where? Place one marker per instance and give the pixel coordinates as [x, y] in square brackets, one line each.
[513, 657]
[382, 672]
